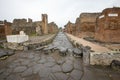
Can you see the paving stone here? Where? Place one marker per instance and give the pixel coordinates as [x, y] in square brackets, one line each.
[76, 74]
[31, 64]
[60, 62]
[37, 68]
[49, 64]
[42, 61]
[36, 58]
[30, 56]
[56, 68]
[4, 74]
[67, 67]
[50, 59]
[61, 76]
[32, 77]
[14, 77]
[27, 72]
[25, 62]
[14, 64]
[78, 64]
[44, 71]
[20, 69]
[70, 78]
[2, 70]
[88, 74]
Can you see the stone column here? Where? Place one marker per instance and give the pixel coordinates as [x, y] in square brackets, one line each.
[45, 23]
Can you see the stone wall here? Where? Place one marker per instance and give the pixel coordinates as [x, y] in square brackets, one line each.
[38, 26]
[5, 29]
[86, 24]
[22, 25]
[70, 28]
[108, 25]
[30, 27]
[52, 28]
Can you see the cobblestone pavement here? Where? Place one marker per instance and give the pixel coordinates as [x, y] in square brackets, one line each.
[35, 65]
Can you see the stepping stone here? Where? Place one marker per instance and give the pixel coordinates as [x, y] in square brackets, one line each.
[67, 67]
[62, 51]
[77, 52]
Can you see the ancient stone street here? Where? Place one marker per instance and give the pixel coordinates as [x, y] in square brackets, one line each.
[35, 65]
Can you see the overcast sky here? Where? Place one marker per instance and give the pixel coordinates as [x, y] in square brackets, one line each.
[59, 11]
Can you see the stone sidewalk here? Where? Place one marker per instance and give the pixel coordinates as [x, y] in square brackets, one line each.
[94, 47]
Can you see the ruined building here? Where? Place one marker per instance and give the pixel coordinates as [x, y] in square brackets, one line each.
[85, 24]
[70, 28]
[108, 25]
[5, 29]
[30, 27]
[23, 25]
[52, 28]
[38, 26]
[77, 26]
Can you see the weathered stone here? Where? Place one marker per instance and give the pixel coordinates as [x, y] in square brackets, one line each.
[36, 68]
[20, 69]
[44, 71]
[103, 58]
[14, 77]
[27, 72]
[10, 52]
[25, 62]
[61, 61]
[3, 53]
[52, 28]
[63, 51]
[77, 52]
[47, 50]
[49, 64]
[56, 68]
[61, 76]
[50, 59]
[70, 28]
[5, 29]
[86, 56]
[115, 64]
[107, 29]
[76, 74]
[42, 61]
[67, 67]
[70, 51]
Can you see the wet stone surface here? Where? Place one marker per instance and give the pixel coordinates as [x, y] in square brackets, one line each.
[35, 65]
